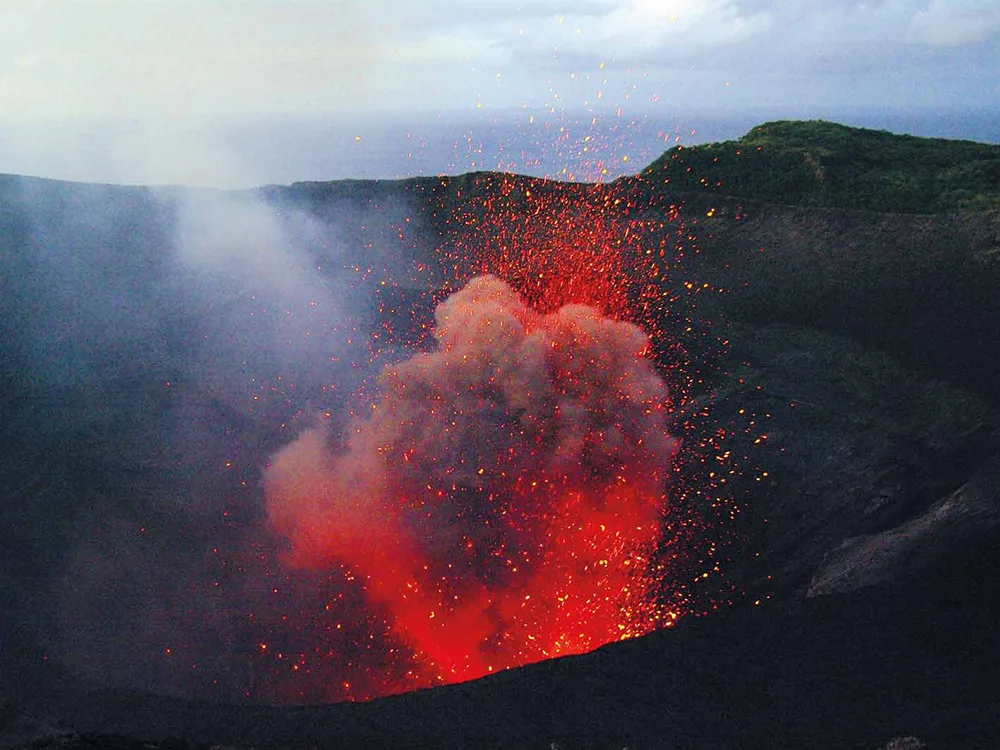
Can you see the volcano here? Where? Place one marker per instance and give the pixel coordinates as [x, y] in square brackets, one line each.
[751, 432]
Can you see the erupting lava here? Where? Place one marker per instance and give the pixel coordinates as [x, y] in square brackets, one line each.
[499, 501]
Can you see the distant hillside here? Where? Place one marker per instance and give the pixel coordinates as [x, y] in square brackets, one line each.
[817, 163]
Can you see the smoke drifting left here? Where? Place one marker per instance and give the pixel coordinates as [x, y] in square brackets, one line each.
[499, 500]
[174, 337]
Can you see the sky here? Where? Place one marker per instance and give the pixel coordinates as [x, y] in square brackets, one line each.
[239, 92]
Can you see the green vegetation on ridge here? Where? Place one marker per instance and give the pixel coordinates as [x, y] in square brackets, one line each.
[818, 163]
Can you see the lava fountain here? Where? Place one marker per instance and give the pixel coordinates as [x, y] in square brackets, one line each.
[499, 500]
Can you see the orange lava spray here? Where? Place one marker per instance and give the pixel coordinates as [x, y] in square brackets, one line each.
[501, 497]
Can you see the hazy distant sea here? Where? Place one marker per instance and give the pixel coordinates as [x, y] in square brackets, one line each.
[245, 153]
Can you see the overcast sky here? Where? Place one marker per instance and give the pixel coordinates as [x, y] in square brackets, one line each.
[177, 68]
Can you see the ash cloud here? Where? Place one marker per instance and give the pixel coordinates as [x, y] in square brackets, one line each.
[499, 494]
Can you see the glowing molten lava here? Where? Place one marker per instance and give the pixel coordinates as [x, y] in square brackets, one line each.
[499, 501]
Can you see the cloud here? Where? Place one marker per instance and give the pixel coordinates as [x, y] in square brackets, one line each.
[180, 59]
[637, 28]
[949, 23]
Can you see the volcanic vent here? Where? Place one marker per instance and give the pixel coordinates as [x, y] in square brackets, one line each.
[498, 501]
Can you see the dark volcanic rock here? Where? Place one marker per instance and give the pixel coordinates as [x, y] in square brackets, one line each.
[906, 549]
[918, 287]
[18, 730]
[856, 444]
